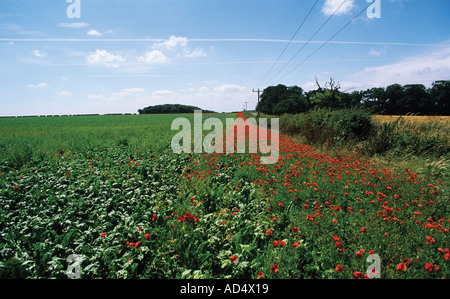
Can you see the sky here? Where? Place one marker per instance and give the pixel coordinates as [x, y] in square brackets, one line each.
[60, 57]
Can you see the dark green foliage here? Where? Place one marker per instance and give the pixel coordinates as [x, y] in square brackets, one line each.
[326, 126]
[348, 127]
[281, 99]
[351, 124]
[170, 109]
[395, 99]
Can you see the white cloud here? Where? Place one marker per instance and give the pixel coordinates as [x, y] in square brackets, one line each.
[118, 96]
[14, 28]
[196, 53]
[164, 93]
[65, 94]
[221, 98]
[231, 88]
[105, 58]
[134, 90]
[173, 42]
[39, 85]
[180, 45]
[74, 25]
[38, 53]
[374, 52]
[96, 96]
[420, 69]
[331, 6]
[94, 32]
[154, 56]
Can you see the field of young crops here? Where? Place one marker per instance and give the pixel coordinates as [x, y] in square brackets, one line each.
[108, 193]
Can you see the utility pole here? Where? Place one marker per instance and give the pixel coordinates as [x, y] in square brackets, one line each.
[258, 91]
[245, 105]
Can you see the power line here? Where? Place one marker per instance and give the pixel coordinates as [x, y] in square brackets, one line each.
[315, 33]
[334, 35]
[298, 29]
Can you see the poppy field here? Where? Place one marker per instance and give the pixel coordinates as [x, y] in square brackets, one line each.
[109, 191]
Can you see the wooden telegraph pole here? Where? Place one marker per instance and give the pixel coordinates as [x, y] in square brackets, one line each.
[258, 91]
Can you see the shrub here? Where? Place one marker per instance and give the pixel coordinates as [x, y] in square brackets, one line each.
[351, 124]
[327, 127]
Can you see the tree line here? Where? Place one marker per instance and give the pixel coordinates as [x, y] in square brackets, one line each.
[395, 99]
[170, 109]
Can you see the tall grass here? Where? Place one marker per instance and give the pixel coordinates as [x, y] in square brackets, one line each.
[399, 140]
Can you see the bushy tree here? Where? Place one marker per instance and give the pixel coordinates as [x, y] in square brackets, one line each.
[171, 108]
[440, 97]
[281, 99]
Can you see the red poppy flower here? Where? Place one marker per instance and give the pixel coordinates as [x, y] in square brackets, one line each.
[401, 267]
[103, 235]
[430, 267]
[269, 232]
[339, 268]
[233, 259]
[147, 236]
[260, 275]
[430, 240]
[274, 268]
[295, 230]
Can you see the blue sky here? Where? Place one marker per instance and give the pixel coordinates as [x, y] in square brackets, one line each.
[122, 55]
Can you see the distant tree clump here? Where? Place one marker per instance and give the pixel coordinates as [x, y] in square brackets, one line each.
[171, 109]
[394, 99]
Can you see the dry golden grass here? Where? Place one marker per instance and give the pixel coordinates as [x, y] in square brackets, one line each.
[429, 126]
[414, 119]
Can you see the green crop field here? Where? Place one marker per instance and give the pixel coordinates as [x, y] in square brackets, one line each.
[110, 191]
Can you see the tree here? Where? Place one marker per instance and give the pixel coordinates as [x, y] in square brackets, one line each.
[328, 97]
[270, 97]
[375, 99]
[281, 99]
[394, 94]
[440, 97]
[171, 108]
[416, 99]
